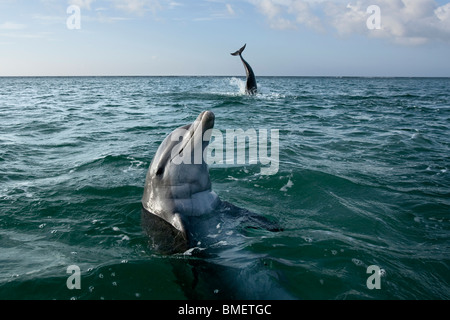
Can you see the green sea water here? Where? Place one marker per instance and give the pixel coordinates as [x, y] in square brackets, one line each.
[362, 181]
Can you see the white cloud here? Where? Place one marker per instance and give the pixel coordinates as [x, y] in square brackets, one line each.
[288, 14]
[443, 13]
[138, 6]
[230, 9]
[174, 4]
[20, 35]
[218, 10]
[402, 21]
[84, 4]
[12, 26]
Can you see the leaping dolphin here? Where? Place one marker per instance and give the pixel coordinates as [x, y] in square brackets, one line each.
[178, 197]
[250, 87]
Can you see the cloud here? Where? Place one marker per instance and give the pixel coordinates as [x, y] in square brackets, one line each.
[174, 4]
[288, 14]
[138, 6]
[218, 11]
[12, 26]
[84, 4]
[20, 35]
[230, 9]
[131, 6]
[402, 21]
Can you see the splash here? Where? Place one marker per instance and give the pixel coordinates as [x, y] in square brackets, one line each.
[288, 185]
[264, 93]
[240, 84]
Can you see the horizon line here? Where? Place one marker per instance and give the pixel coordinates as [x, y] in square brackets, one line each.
[218, 76]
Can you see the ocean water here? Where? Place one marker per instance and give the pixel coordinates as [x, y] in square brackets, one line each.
[363, 180]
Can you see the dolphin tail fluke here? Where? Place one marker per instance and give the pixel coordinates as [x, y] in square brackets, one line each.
[238, 53]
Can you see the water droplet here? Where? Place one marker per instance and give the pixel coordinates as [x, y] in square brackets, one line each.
[357, 262]
[307, 239]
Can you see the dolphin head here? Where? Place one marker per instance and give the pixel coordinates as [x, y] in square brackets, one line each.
[177, 183]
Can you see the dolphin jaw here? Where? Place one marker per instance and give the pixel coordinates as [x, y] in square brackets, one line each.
[170, 198]
[178, 223]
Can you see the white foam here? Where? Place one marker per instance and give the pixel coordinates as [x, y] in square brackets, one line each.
[357, 262]
[238, 83]
[288, 185]
[191, 250]
[307, 239]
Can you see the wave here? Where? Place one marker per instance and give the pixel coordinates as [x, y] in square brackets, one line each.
[111, 160]
[362, 180]
[239, 84]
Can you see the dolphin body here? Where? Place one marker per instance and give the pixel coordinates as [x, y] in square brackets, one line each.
[181, 214]
[179, 208]
[250, 87]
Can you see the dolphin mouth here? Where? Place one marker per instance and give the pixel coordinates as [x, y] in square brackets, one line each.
[204, 122]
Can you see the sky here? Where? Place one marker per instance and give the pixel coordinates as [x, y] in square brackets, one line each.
[404, 38]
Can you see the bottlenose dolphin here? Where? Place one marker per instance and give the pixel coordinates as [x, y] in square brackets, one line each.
[178, 190]
[250, 87]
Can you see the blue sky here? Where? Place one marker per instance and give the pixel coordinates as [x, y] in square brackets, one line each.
[195, 37]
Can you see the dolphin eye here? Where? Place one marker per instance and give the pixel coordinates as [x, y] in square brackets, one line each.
[160, 171]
